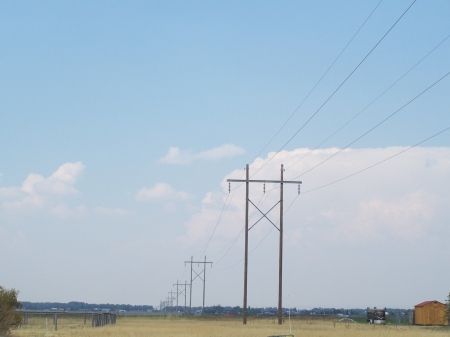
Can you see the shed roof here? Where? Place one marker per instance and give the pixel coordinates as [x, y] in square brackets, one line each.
[427, 302]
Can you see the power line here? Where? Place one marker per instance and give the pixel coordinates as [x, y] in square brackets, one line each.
[374, 127]
[225, 205]
[261, 241]
[236, 238]
[339, 180]
[318, 82]
[340, 85]
[242, 230]
[380, 162]
[367, 106]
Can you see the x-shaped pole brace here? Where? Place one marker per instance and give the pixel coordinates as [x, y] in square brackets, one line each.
[264, 215]
[197, 275]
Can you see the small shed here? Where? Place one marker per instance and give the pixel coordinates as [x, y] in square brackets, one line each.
[430, 313]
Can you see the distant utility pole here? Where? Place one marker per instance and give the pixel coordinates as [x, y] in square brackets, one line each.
[171, 298]
[200, 277]
[181, 292]
[280, 229]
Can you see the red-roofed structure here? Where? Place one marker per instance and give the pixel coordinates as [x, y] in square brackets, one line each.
[424, 303]
[430, 313]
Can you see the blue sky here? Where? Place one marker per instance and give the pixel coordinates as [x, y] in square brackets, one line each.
[93, 95]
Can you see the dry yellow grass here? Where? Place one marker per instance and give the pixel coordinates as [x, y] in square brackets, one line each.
[198, 327]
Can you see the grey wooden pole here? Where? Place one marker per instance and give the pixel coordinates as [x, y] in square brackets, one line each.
[190, 289]
[56, 322]
[177, 298]
[280, 263]
[204, 282]
[244, 309]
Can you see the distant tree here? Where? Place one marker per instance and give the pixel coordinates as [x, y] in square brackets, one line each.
[9, 318]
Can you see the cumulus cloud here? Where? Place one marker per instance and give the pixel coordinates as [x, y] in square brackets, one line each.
[11, 192]
[161, 191]
[60, 182]
[179, 157]
[403, 198]
[37, 192]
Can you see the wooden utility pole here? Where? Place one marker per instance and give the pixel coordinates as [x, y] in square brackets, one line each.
[280, 261]
[280, 229]
[190, 289]
[177, 297]
[171, 298]
[244, 309]
[181, 292]
[204, 284]
[200, 277]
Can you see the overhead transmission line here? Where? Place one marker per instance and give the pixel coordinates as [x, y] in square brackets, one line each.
[224, 207]
[263, 196]
[378, 163]
[242, 230]
[367, 106]
[337, 89]
[318, 82]
[344, 178]
[374, 127]
[261, 241]
[225, 203]
[384, 120]
[233, 241]
[314, 87]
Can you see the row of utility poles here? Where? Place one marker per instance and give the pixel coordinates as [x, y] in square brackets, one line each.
[202, 275]
[182, 287]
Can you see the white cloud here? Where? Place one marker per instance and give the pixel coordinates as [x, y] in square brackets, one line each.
[217, 153]
[402, 198]
[161, 191]
[60, 182]
[40, 193]
[176, 156]
[11, 192]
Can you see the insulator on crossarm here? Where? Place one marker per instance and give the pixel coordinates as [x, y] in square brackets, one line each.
[298, 189]
[229, 187]
[264, 188]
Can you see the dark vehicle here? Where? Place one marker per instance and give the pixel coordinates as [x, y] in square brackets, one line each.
[376, 316]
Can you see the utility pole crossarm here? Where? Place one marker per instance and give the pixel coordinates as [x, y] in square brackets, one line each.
[264, 181]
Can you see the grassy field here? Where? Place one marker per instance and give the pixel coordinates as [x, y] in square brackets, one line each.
[221, 327]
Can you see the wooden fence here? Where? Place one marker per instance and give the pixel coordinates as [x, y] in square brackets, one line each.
[102, 319]
[98, 319]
